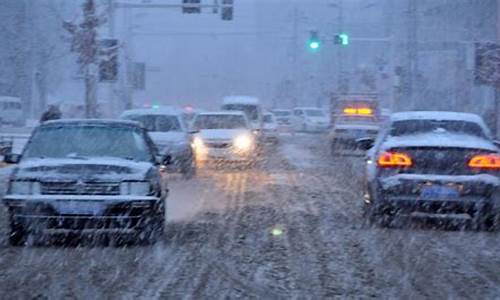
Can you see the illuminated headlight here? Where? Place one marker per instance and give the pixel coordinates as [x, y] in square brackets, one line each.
[24, 188]
[198, 142]
[243, 142]
[135, 188]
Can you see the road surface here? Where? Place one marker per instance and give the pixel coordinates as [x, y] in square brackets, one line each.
[290, 227]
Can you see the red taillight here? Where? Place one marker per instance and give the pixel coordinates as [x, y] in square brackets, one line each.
[394, 160]
[485, 161]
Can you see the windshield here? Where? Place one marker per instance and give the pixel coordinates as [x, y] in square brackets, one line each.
[251, 111]
[220, 122]
[282, 113]
[88, 141]
[268, 119]
[314, 113]
[408, 127]
[157, 123]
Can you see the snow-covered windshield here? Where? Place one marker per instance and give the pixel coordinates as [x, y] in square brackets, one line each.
[88, 141]
[219, 122]
[251, 111]
[268, 118]
[157, 123]
[314, 113]
[282, 113]
[409, 127]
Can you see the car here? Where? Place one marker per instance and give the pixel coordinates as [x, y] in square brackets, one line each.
[433, 165]
[224, 136]
[310, 119]
[168, 130]
[249, 105]
[354, 117]
[270, 129]
[97, 177]
[11, 111]
[283, 116]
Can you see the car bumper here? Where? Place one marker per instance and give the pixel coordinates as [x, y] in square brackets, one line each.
[224, 154]
[83, 214]
[471, 195]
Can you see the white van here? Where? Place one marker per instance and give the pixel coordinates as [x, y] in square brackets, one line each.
[249, 105]
[11, 111]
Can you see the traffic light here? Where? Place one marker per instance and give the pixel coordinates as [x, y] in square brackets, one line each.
[342, 39]
[191, 6]
[314, 43]
[227, 10]
[108, 60]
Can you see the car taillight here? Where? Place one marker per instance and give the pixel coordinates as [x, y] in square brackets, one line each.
[394, 160]
[485, 161]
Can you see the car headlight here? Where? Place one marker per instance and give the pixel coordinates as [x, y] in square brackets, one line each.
[198, 142]
[243, 142]
[24, 188]
[136, 188]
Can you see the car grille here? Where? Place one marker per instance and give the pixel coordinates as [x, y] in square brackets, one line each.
[216, 144]
[80, 188]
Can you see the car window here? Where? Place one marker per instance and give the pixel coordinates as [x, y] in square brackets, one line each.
[88, 141]
[408, 127]
[158, 123]
[219, 122]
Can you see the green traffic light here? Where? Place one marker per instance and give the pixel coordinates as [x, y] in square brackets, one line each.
[314, 45]
[344, 39]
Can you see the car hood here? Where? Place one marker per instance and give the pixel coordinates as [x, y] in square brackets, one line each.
[222, 134]
[171, 137]
[99, 169]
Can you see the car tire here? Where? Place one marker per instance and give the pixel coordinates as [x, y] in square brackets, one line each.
[153, 231]
[17, 236]
[188, 168]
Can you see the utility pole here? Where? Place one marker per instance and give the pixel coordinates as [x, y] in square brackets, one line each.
[412, 44]
[295, 38]
[343, 84]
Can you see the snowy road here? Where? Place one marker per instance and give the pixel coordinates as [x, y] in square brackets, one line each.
[220, 243]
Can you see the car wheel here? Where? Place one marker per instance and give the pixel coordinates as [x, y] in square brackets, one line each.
[17, 236]
[153, 231]
[188, 168]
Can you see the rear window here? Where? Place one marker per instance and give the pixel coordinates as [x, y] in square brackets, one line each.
[408, 127]
[158, 123]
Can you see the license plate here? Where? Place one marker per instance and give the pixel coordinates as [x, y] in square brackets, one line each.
[79, 207]
[439, 192]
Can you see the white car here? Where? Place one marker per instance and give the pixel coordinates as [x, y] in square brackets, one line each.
[226, 136]
[270, 131]
[168, 130]
[310, 119]
[11, 111]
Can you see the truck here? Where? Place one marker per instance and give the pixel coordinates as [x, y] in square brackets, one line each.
[353, 116]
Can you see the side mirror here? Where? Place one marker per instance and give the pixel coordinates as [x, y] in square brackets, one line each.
[166, 160]
[12, 158]
[365, 143]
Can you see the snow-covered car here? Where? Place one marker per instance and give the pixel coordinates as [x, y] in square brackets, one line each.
[168, 130]
[433, 165]
[270, 131]
[88, 177]
[225, 136]
[283, 116]
[310, 119]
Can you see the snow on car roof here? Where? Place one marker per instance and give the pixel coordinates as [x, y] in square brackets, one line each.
[90, 122]
[241, 100]
[430, 139]
[308, 108]
[153, 111]
[436, 115]
[223, 113]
